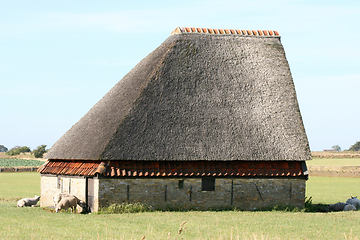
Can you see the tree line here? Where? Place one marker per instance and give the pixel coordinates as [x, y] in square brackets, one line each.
[41, 150]
[354, 147]
[38, 152]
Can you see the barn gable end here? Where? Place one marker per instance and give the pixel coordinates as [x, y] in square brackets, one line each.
[208, 105]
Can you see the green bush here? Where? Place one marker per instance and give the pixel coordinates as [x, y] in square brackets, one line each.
[355, 146]
[126, 208]
[39, 151]
[17, 150]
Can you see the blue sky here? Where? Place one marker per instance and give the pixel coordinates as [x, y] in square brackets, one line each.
[58, 58]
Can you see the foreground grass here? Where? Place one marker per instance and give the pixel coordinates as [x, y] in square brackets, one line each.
[37, 223]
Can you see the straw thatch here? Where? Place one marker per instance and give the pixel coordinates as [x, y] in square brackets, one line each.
[196, 97]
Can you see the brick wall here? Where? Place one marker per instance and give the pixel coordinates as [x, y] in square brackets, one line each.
[246, 194]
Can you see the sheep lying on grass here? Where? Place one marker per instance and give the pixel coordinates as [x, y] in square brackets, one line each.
[349, 207]
[27, 202]
[69, 202]
[336, 207]
[351, 204]
[354, 201]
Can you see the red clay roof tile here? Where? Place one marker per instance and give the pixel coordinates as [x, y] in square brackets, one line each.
[174, 168]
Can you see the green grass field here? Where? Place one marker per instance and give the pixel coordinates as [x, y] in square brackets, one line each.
[19, 185]
[37, 223]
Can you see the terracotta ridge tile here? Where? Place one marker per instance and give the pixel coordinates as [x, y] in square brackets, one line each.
[258, 33]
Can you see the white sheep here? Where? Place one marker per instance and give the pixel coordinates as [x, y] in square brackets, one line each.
[354, 201]
[57, 197]
[26, 202]
[349, 207]
[69, 202]
[336, 207]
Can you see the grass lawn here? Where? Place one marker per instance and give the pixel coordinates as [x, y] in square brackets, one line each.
[36, 223]
[14, 186]
[162, 225]
[329, 190]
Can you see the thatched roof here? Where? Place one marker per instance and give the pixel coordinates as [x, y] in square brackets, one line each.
[201, 95]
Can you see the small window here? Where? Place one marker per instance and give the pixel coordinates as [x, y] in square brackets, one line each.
[181, 184]
[208, 184]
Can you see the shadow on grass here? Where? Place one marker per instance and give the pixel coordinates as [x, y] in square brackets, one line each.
[138, 207]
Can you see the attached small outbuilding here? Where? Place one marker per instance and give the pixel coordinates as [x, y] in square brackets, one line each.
[209, 119]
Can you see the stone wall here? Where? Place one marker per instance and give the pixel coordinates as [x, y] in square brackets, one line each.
[246, 194]
[50, 185]
[48, 190]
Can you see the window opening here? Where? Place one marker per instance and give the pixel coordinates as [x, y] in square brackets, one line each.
[208, 184]
[181, 184]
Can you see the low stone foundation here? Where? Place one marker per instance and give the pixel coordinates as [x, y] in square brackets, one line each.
[177, 193]
[245, 194]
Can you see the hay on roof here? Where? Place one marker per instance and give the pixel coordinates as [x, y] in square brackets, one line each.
[196, 97]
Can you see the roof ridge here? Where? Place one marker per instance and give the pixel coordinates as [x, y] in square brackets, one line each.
[217, 31]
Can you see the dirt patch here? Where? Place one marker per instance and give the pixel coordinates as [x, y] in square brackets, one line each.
[26, 156]
[344, 154]
[51, 210]
[18, 169]
[334, 171]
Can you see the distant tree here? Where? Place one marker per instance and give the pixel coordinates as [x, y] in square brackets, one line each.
[3, 148]
[355, 146]
[336, 148]
[14, 151]
[17, 150]
[39, 151]
[25, 149]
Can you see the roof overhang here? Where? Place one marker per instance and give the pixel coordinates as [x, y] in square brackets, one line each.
[177, 169]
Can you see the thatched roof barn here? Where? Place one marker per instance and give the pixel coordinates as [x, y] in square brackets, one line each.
[206, 104]
[198, 96]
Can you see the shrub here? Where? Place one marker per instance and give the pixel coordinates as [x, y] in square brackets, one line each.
[309, 207]
[126, 208]
[355, 146]
[14, 151]
[17, 150]
[39, 151]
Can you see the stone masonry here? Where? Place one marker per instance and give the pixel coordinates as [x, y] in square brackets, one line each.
[170, 193]
[246, 194]
[50, 185]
